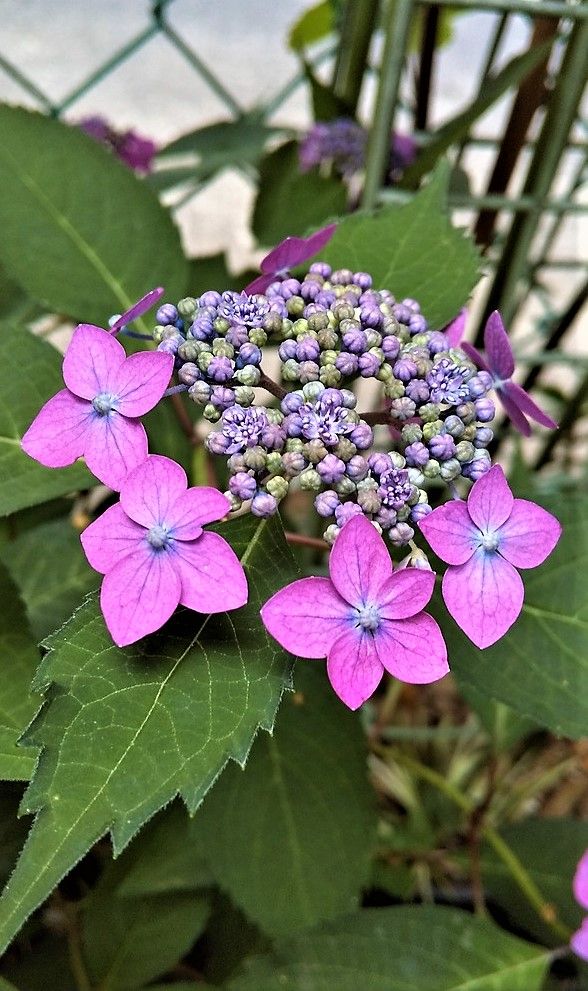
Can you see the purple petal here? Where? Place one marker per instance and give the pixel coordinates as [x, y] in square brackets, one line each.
[354, 668]
[306, 617]
[141, 381]
[139, 595]
[490, 500]
[413, 650]
[475, 356]
[114, 447]
[580, 883]
[579, 941]
[195, 507]
[91, 361]
[527, 405]
[57, 435]
[359, 563]
[152, 489]
[405, 593]
[211, 574]
[451, 532]
[529, 535]
[259, 284]
[140, 307]
[454, 331]
[294, 250]
[110, 538]
[484, 596]
[497, 347]
[512, 410]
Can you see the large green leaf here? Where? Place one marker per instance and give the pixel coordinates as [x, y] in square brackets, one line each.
[30, 373]
[409, 948]
[166, 856]
[312, 25]
[123, 731]
[80, 232]
[458, 127]
[19, 659]
[550, 850]
[303, 805]
[540, 668]
[50, 568]
[412, 250]
[290, 202]
[225, 144]
[129, 942]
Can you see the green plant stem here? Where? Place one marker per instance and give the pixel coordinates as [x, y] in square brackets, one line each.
[357, 27]
[517, 870]
[397, 25]
[74, 948]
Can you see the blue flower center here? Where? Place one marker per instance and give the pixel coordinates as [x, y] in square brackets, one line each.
[368, 617]
[104, 403]
[158, 536]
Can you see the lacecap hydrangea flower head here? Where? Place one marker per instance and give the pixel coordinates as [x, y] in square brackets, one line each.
[369, 472]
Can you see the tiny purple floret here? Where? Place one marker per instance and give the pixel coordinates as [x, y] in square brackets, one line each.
[498, 361]
[365, 618]
[484, 541]
[292, 251]
[154, 554]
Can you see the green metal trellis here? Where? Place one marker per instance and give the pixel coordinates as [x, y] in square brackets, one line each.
[525, 251]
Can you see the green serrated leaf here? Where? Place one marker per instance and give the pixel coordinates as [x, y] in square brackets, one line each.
[326, 105]
[550, 850]
[20, 657]
[304, 805]
[458, 127]
[49, 567]
[290, 202]
[23, 481]
[413, 250]
[80, 232]
[129, 942]
[166, 856]
[409, 948]
[540, 668]
[123, 731]
[313, 25]
[13, 831]
[225, 144]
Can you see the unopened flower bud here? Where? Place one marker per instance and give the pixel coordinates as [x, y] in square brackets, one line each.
[278, 487]
[255, 458]
[326, 503]
[310, 480]
[450, 469]
[187, 308]
[464, 451]
[263, 504]
[345, 486]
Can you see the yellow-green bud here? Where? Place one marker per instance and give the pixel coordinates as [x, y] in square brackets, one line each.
[310, 480]
[278, 487]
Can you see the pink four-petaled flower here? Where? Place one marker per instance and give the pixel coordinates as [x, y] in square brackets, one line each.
[154, 554]
[484, 541]
[289, 253]
[96, 416]
[364, 619]
[499, 362]
[579, 941]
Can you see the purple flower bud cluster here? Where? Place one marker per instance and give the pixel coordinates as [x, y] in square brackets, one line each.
[388, 494]
[216, 340]
[331, 328]
[340, 145]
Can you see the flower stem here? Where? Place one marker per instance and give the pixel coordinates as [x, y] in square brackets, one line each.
[520, 875]
[270, 386]
[376, 416]
[314, 542]
[397, 21]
